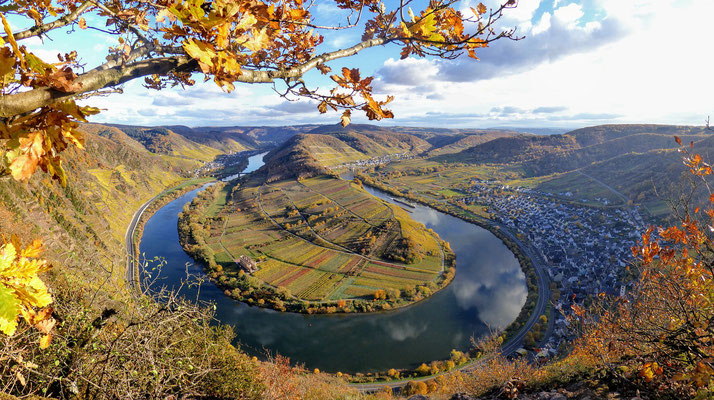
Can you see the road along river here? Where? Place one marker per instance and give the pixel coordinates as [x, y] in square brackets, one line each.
[489, 290]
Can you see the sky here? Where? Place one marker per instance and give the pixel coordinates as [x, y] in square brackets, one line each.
[580, 63]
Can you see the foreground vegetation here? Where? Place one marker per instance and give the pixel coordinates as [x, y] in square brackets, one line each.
[321, 245]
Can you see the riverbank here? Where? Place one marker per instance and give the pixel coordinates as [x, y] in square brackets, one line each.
[136, 228]
[362, 345]
[536, 278]
[202, 228]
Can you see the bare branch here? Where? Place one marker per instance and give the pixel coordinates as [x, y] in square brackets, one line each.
[39, 30]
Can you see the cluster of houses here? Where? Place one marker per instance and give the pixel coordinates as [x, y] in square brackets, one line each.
[223, 161]
[584, 248]
[374, 161]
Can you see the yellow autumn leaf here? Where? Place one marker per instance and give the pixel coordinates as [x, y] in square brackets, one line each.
[258, 41]
[246, 21]
[32, 250]
[200, 51]
[9, 310]
[45, 341]
[7, 257]
[21, 289]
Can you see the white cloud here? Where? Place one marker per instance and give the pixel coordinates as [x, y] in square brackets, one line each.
[411, 71]
[542, 25]
[523, 13]
[568, 15]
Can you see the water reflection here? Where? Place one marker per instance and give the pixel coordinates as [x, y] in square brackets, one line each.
[492, 284]
[488, 290]
[401, 331]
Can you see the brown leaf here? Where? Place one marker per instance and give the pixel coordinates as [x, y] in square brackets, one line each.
[25, 165]
[82, 23]
[45, 326]
[7, 62]
[324, 69]
[64, 80]
[345, 118]
[43, 314]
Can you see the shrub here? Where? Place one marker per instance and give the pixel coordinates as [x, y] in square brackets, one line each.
[135, 348]
[413, 387]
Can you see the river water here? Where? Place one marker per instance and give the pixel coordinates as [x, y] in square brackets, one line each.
[488, 290]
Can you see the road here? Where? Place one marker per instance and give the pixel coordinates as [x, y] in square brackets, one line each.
[131, 257]
[515, 342]
[131, 250]
[507, 349]
[636, 218]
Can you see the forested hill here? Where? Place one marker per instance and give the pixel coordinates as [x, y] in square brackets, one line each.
[239, 138]
[542, 155]
[639, 163]
[315, 152]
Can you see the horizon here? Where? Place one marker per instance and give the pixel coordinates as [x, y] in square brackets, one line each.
[514, 128]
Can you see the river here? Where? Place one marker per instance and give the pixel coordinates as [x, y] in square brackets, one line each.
[489, 290]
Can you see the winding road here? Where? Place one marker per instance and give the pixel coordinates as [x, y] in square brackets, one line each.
[515, 342]
[507, 349]
[131, 256]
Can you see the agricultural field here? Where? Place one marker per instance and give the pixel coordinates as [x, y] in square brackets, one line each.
[320, 240]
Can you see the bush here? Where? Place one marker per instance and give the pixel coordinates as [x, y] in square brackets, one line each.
[413, 387]
[131, 349]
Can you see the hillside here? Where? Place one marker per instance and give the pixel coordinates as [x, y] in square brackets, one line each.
[542, 155]
[83, 224]
[622, 163]
[313, 153]
[448, 144]
[236, 138]
[168, 144]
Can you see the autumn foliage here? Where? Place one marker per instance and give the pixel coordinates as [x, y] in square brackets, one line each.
[170, 42]
[22, 292]
[662, 333]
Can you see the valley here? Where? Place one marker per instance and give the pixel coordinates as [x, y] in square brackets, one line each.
[293, 236]
[317, 244]
[356, 200]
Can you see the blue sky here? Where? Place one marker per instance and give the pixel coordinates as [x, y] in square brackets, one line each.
[582, 63]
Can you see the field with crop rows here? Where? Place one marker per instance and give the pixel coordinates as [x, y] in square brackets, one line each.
[320, 238]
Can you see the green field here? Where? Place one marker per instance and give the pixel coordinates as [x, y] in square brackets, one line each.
[321, 239]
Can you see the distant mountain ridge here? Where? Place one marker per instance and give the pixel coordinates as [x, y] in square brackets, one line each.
[628, 158]
[542, 155]
[313, 153]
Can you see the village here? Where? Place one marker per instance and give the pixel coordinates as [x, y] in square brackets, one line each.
[585, 249]
[374, 161]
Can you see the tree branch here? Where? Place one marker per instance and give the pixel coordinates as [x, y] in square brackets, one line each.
[116, 72]
[98, 78]
[38, 30]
